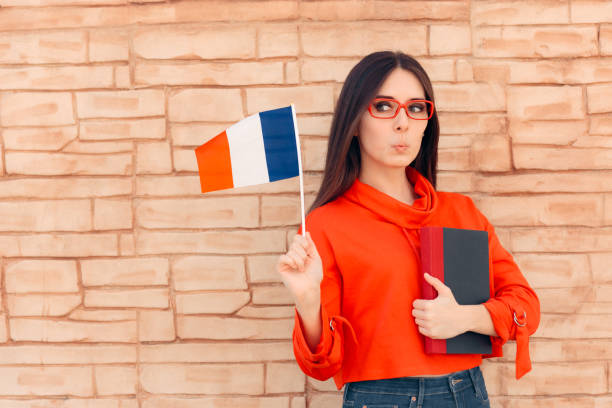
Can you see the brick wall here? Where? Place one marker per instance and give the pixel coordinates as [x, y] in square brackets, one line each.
[125, 287]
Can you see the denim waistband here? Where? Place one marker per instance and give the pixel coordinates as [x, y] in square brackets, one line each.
[412, 386]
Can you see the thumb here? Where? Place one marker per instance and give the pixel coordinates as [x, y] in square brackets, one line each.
[437, 284]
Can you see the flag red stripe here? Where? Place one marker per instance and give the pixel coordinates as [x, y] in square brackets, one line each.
[215, 164]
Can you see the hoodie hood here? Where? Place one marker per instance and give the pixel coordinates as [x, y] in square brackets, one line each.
[394, 211]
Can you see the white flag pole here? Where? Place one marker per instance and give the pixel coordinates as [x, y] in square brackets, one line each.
[299, 155]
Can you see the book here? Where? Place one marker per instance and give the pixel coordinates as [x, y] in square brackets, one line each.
[460, 259]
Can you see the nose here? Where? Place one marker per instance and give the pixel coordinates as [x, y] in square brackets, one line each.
[402, 120]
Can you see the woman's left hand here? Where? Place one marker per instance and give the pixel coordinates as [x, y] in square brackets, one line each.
[439, 318]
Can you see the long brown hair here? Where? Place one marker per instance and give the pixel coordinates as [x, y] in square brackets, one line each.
[343, 160]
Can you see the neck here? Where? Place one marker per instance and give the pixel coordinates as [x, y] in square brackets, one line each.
[391, 181]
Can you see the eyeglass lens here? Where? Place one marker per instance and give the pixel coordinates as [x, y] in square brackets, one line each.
[387, 109]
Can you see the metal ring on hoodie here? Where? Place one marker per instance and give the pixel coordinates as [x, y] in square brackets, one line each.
[524, 318]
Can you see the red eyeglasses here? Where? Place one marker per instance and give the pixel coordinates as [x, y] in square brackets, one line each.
[386, 108]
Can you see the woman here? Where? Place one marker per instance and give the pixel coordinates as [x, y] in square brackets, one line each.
[355, 276]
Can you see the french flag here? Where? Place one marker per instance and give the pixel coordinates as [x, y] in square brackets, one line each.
[260, 148]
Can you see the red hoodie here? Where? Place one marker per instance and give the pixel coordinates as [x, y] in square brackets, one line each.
[370, 279]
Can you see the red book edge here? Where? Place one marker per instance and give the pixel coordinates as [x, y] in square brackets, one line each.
[432, 262]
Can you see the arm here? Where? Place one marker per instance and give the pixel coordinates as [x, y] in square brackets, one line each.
[515, 308]
[318, 339]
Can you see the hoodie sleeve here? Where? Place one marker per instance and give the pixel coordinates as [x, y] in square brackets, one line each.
[327, 358]
[514, 308]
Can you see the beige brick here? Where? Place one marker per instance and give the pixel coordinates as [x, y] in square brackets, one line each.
[555, 270]
[545, 102]
[41, 305]
[36, 109]
[439, 69]
[578, 300]
[326, 69]
[491, 153]
[520, 12]
[450, 39]
[102, 315]
[608, 209]
[569, 239]
[124, 272]
[45, 215]
[547, 132]
[272, 295]
[116, 380]
[39, 48]
[191, 105]
[165, 42]
[216, 352]
[28, 381]
[153, 158]
[112, 214]
[277, 40]
[544, 182]
[208, 272]
[195, 134]
[28, 329]
[198, 213]
[108, 45]
[41, 163]
[292, 72]
[212, 302]
[76, 146]
[123, 79]
[544, 42]
[202, 379]
[224, 11]
[591, 11]
[262, 268]
[313, 153]
[266, 312]
[458, 182]
[65, 188]
[599, 98]
[329, 39]
[307, 99]
[576, 71]
[122, 129]
[594, 141]
[468, 123]
[559, 402]
[226, 328]
[217, 73]
[284, 377]
[184, 160]
[119, 104]
[56, 78]
[561, 158]
[600, 264]
[41, 276]
[470, 97]
[152, 298]
[279, 210]
[547, 379]
[38, 18]
[224, 242]
[454, 159]
[58, 245]
[605, 40]
[557, 209]
[298, 402]
[598, 125]
[126, 245]
[323, 400]
[574, 325]
[59, 354]
[211, 402]
[156, 325]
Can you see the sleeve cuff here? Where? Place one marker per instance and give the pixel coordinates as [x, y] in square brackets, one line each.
[325, 341]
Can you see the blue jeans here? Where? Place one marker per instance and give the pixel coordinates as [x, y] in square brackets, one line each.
[461, 389]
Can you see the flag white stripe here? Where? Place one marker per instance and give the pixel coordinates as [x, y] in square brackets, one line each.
[247, 152]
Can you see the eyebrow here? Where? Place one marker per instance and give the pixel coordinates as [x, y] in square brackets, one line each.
[391, 97]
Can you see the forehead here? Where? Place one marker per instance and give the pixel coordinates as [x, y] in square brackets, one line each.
[402, 85]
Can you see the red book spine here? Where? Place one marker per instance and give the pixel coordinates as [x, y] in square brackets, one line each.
[432, 262]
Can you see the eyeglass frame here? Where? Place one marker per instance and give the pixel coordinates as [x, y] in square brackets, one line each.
[400, 106]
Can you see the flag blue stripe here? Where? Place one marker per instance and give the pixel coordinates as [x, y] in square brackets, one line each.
[279, 143]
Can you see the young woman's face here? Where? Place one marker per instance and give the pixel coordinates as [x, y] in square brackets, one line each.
[392, 142]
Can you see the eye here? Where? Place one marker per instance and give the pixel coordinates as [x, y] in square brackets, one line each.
[417, 107]
[382, 106]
